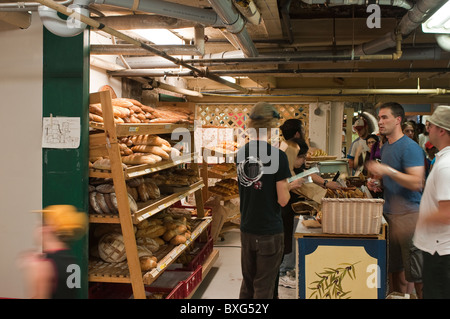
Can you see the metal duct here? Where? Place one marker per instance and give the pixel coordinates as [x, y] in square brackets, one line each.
[249, 10]
[396, 3]
[169, 9]
[444, 41]
[235, 25]
[408, 24]
[64, 28]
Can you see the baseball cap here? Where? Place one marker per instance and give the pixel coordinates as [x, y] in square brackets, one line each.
[360, 123]
[263, 111]
[441, 117]
[428, 145]
[66, 220]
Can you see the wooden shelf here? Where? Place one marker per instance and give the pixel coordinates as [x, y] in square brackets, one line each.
[100, 271]
[104, 141]
[127, 129]
[149, 208]
[144, 169]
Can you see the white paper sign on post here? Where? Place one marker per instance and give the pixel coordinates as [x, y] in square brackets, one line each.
[61, 132]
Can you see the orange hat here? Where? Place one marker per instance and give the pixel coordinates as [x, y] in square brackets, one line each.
[66, 220]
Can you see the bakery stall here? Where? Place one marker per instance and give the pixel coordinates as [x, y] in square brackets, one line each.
[140, 232]
[341, 245]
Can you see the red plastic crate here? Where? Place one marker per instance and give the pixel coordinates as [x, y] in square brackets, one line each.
[200, 258]
[180, 290]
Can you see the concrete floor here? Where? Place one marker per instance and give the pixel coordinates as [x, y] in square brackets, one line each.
[224, 280]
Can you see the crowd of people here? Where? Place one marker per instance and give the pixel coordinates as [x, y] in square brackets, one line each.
[407, 167]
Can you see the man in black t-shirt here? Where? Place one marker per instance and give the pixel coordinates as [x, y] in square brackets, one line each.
[263, 188]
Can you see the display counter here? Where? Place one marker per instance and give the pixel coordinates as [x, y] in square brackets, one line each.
[336, 266]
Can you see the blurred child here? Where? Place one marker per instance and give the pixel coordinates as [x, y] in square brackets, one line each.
[47, 272]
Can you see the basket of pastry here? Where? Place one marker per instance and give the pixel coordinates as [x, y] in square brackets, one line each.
[225, 188]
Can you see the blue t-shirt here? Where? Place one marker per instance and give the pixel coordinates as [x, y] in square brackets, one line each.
[400, 155]
[260, 166]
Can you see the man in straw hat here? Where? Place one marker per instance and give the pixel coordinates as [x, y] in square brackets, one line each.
[48, 272]
[432, 234]
[263, 171]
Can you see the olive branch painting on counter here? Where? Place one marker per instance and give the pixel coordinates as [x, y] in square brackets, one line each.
[329, 282]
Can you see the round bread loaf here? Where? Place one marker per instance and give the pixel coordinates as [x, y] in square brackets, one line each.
[111, 248]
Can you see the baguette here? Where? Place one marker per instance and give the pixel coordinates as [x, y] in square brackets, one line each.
[151, 149]
[149, 139]
[95, 109]
[95, 118]
[122, 102]
[137, 159]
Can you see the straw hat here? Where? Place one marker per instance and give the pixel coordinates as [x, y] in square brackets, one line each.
[441, 117]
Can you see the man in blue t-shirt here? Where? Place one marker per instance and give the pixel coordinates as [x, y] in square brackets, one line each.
[402, 173]
[263, 171]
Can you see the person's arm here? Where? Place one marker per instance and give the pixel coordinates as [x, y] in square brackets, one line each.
[40, 276]
[283, 192]
[412, 179]
[317, 179]
[442, 215]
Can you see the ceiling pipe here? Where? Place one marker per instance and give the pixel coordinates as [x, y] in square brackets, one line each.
[129, 49]
[145, 21]
[332, 92]
[168, 9]
[410, 21]
[396, 3]
[96, 25]
[235, 24]
[249, 10]
[443, 41]
[25, 6]
[286, 19]
[225, 14]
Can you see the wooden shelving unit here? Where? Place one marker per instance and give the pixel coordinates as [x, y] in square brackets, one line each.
[106, 144]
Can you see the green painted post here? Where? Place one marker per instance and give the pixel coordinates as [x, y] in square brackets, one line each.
[66, 93]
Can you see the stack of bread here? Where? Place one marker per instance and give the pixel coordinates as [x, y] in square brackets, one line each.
[225, 187]
[103, 200]
[102, 197]
[132, 111]
[349, 192]
[223, 168]
[108, 245]
[152, 236]
[139, 149]
[176, 177]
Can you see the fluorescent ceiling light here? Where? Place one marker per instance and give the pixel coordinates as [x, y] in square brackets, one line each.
[229, 79]
[439, 22]
[159, 36]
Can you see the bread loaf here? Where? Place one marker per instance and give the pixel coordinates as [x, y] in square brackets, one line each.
[149, 140]
[96, 109]
[122, 102]
[133, 205]
[93, 201]
[105, 188]
[150, 149]
[178, 239]
[148, 263]
[111, 248]
[152, 231]
[102, 203]
[138, 159]
[95, 117]
[148, 243]
[110, 204]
